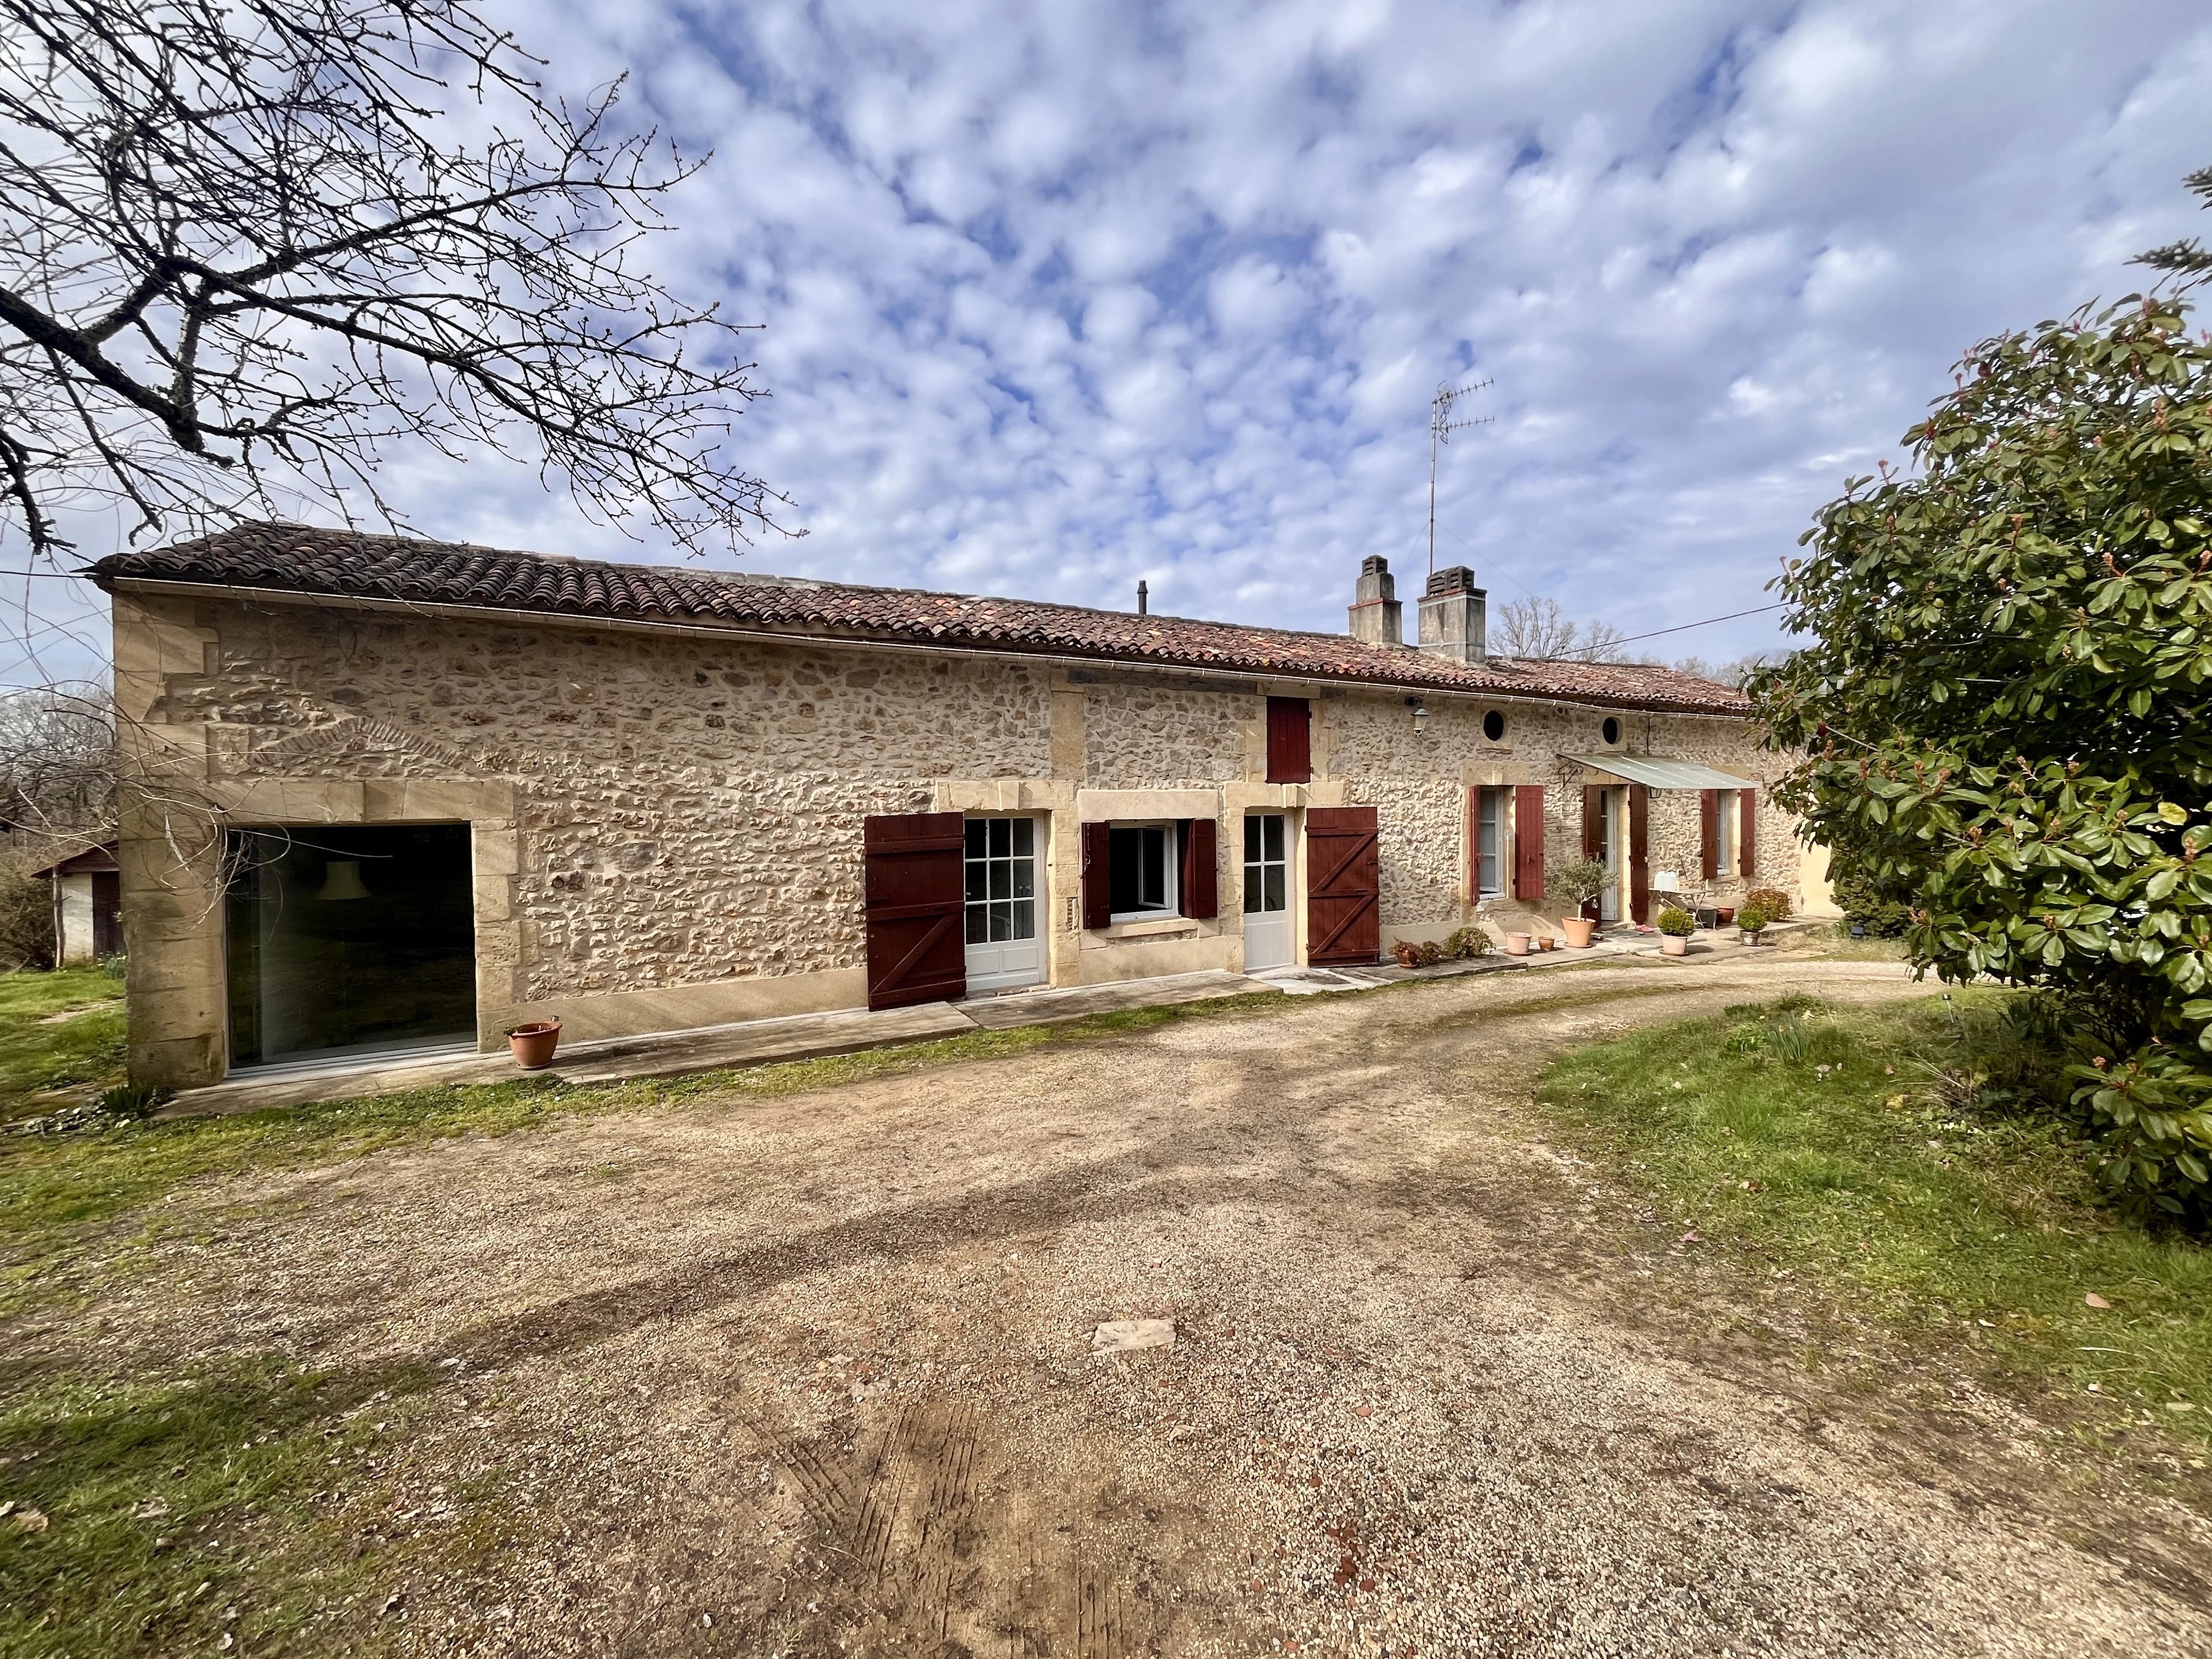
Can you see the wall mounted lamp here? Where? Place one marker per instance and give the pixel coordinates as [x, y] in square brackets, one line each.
[1420, 715]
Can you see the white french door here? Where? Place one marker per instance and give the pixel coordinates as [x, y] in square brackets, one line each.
[1270, 939]
[1005, 946]
[1610, 839]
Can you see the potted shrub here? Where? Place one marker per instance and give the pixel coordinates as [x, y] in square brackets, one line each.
[1675, 927]
[1750, 921]
[1772, 900]
[1581, 886]
[533, 1043]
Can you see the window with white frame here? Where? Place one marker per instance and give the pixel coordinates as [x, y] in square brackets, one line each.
[1491, 820]
[1726, 832]
[1141, 859]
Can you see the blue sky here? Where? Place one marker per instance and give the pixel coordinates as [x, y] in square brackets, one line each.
[1052, 299]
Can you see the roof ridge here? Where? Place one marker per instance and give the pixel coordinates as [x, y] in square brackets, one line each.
[367, 564]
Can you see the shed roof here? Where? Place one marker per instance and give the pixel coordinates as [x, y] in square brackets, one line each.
[341, 565]
[90, 860]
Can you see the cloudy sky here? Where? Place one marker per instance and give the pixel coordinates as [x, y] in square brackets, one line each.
[1055, 298]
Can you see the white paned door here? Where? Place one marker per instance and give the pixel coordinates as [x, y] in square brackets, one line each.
[1005, 947]
[1269, 939]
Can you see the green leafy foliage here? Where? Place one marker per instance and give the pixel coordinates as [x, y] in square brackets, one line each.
[1680, 924]
[2004, 710]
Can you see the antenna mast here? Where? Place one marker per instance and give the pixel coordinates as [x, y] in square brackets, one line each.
[1441, 427]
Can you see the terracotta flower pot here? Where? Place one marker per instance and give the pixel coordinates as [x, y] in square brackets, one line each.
[1517, 944]
[1727, 914]
[1577, 930]
[533, 1043]
[1544, 941]
[1671, 945]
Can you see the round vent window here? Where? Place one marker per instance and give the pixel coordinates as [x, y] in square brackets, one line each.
[1493, 727]
[1611, 730]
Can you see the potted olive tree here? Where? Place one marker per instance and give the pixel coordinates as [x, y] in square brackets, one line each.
[1675, 927]
[1579, 884]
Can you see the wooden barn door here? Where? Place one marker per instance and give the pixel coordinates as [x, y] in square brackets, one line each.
[917, 952]
[1344, 885]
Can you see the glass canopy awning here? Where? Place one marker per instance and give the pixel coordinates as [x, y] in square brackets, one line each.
[1658, 773]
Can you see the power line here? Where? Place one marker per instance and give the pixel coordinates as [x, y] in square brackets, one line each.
[1759, 611]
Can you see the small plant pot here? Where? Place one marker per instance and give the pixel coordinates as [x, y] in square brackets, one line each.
[1726, 913]
[1517, 944]
[1544, 941]
[534, 1043]
[1673, 944]
[1747, 937]
[1577, 930]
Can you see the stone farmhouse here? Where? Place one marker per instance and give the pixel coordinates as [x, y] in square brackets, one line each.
[393, 794]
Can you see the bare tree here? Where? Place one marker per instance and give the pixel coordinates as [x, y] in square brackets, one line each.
[57, 766]
[246, 245]
[1537, 628]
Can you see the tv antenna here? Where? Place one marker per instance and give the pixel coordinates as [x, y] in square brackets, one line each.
[1441, 427]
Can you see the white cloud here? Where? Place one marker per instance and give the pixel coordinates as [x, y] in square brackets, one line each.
[1058, 295]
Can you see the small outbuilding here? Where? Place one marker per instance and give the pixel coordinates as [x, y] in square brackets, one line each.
[87, 888]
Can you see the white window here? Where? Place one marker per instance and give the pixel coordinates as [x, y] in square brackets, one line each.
[1267, 865]
[1725, 832]
[1001, 871]
[1489, 821]
[1141, 870]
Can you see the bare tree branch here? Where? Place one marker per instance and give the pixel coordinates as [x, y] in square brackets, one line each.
[240, 255]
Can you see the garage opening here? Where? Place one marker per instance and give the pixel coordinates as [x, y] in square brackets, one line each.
[350, 941]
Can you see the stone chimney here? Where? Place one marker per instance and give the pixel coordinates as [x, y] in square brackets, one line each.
[1378, 619]
[1453, 622]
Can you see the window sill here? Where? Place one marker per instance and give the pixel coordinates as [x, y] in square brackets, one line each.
[1158, 927]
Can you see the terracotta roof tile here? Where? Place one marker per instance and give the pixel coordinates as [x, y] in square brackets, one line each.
[344, 563]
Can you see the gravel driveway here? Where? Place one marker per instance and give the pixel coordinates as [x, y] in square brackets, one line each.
[812, 1375]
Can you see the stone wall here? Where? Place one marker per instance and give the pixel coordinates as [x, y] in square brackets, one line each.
[668, 826]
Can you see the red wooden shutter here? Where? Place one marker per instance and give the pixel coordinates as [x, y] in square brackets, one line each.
[917, 948]
[1639, 852]
[1747, 803]
[1199, 872]
[1290, 741]
[1097, 875]
[1709, 830]
[1528, 841]
[1344, 885]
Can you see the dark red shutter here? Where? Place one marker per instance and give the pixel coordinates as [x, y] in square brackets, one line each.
[1200, 880]
[1097, 875]
[1639, 852]
[1593, 839]
[1747, 836]
[1709, 831]
[1344, 885]
[1528, 841]
[1290, 741]
[917, 948]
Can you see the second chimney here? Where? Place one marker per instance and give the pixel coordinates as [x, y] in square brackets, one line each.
[1376, 616]
[1454, 622]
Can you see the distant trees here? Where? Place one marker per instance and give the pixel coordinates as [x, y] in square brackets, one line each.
[247, 246]
[2188, 258]
[1536, 627]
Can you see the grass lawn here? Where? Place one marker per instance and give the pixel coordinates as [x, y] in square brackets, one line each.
[56, 1030]
[1843, 1149]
